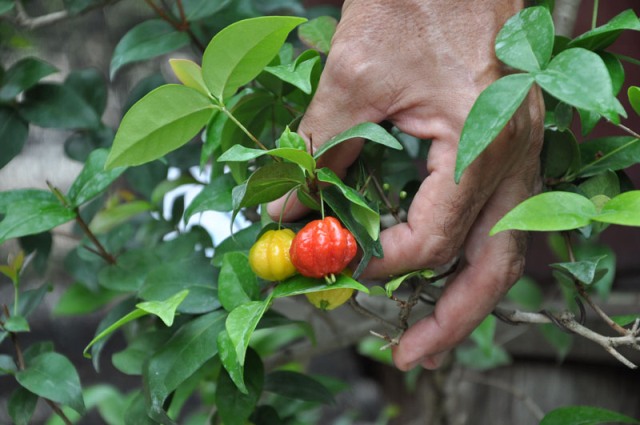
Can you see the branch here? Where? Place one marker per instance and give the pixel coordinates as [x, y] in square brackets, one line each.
[24, 20]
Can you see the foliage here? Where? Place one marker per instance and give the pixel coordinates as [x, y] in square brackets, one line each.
[189, 316]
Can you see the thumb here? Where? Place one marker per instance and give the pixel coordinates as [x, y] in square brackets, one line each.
[334, 109]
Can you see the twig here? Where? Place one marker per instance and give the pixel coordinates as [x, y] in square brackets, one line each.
[628, 130]
[393, 210]
[358, 308]
[23, 19]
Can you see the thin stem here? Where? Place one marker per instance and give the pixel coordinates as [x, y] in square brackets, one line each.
[87, 231]
[628, 130]
[321, 203]
[358, 308]
[583, 293]
[244, 130]
[594, 16]
[383, 196]
[628, 59]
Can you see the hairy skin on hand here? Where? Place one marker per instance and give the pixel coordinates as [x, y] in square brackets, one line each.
[421, 65]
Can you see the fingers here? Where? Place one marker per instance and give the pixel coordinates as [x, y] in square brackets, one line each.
[490, 266]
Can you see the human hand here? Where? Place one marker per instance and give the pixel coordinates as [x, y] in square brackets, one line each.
[421, 64]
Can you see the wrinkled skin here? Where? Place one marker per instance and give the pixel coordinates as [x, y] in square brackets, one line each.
[421, 64]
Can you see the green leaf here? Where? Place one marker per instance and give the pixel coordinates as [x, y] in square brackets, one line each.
[606, 183]
[135, 314]
[560, 154]
[237, 284]
[361, 211]
[5, 6]
[30, 211]
[634, 98]
[151, 38]
[7, 365]
[584, 415]
[189, 348]
[21, 406]
[16, 324]
[159, 123]
[559, 340]
[170, 278]
[52, 376]
[298, 73]
[239, 153]
[235, 407]
[240, 241]
[616, 70]
[238, 53]
[241, 323]
[90, 85]
[488, 116]
[215, 196]
[23, 75]
[583, 270]
[626, 319]
[548, 212]
[366, 130]
[526, 40]
[189, 73]
[526, 293]
[113, 216]
[291, 139]
[479, 359]
[166, 309]
[609, 153]
[391, 286]
[132, 359]
[568, 75]
[93, 179]
[623, 209]
[13, 133]
[318, 32]
[298, 285]
[267, 184]
[601, 37]
[297, 386]
[199, 9]
[57, 106]
[229, 359]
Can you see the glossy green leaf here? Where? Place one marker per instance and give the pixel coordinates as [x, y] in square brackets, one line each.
[6, 6]
[113, 216]
[21, 406]
[131, 270]
[13, 133]
[297, 156]
[626, 319]
[548, 212]
[229, 359]
[151, 38]
[298, 285]
[361, 211]
[16, 324]
[215, 196]
[237, 284]
[117, 312]
[571, 72]
[391, 286]
[7, 365]
[189, 73]
[241, 323]
[77, 299]
[601, 37]
[240, 241]
[297, 386]
[30, 211]
[170, 278]
[23, 75]
[133, 315]
[233, 406]
[609, 153]
[132, 359]
[159, 123]
[52, 376]
[624, 210]
[634, 98]
[606, 183]
[90, 85]
[606, 270]
[616, 70]
[291, 139]
[238, 53]
[189, 348]
[93, 179]
[488, 116]
[366, 130]
[31, 299]
[560, 154]
[526, 40]
[57, 106]
[165, 310]
[298, 73]
[318, 32]
[267, 184]
[585, 415]
[199, 9]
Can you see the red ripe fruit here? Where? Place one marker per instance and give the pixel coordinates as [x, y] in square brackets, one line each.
[322, 248]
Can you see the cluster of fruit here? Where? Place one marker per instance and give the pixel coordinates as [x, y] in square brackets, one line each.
[321, 249]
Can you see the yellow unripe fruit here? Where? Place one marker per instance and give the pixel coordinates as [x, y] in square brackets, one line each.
[329, 298]
[269, 256]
